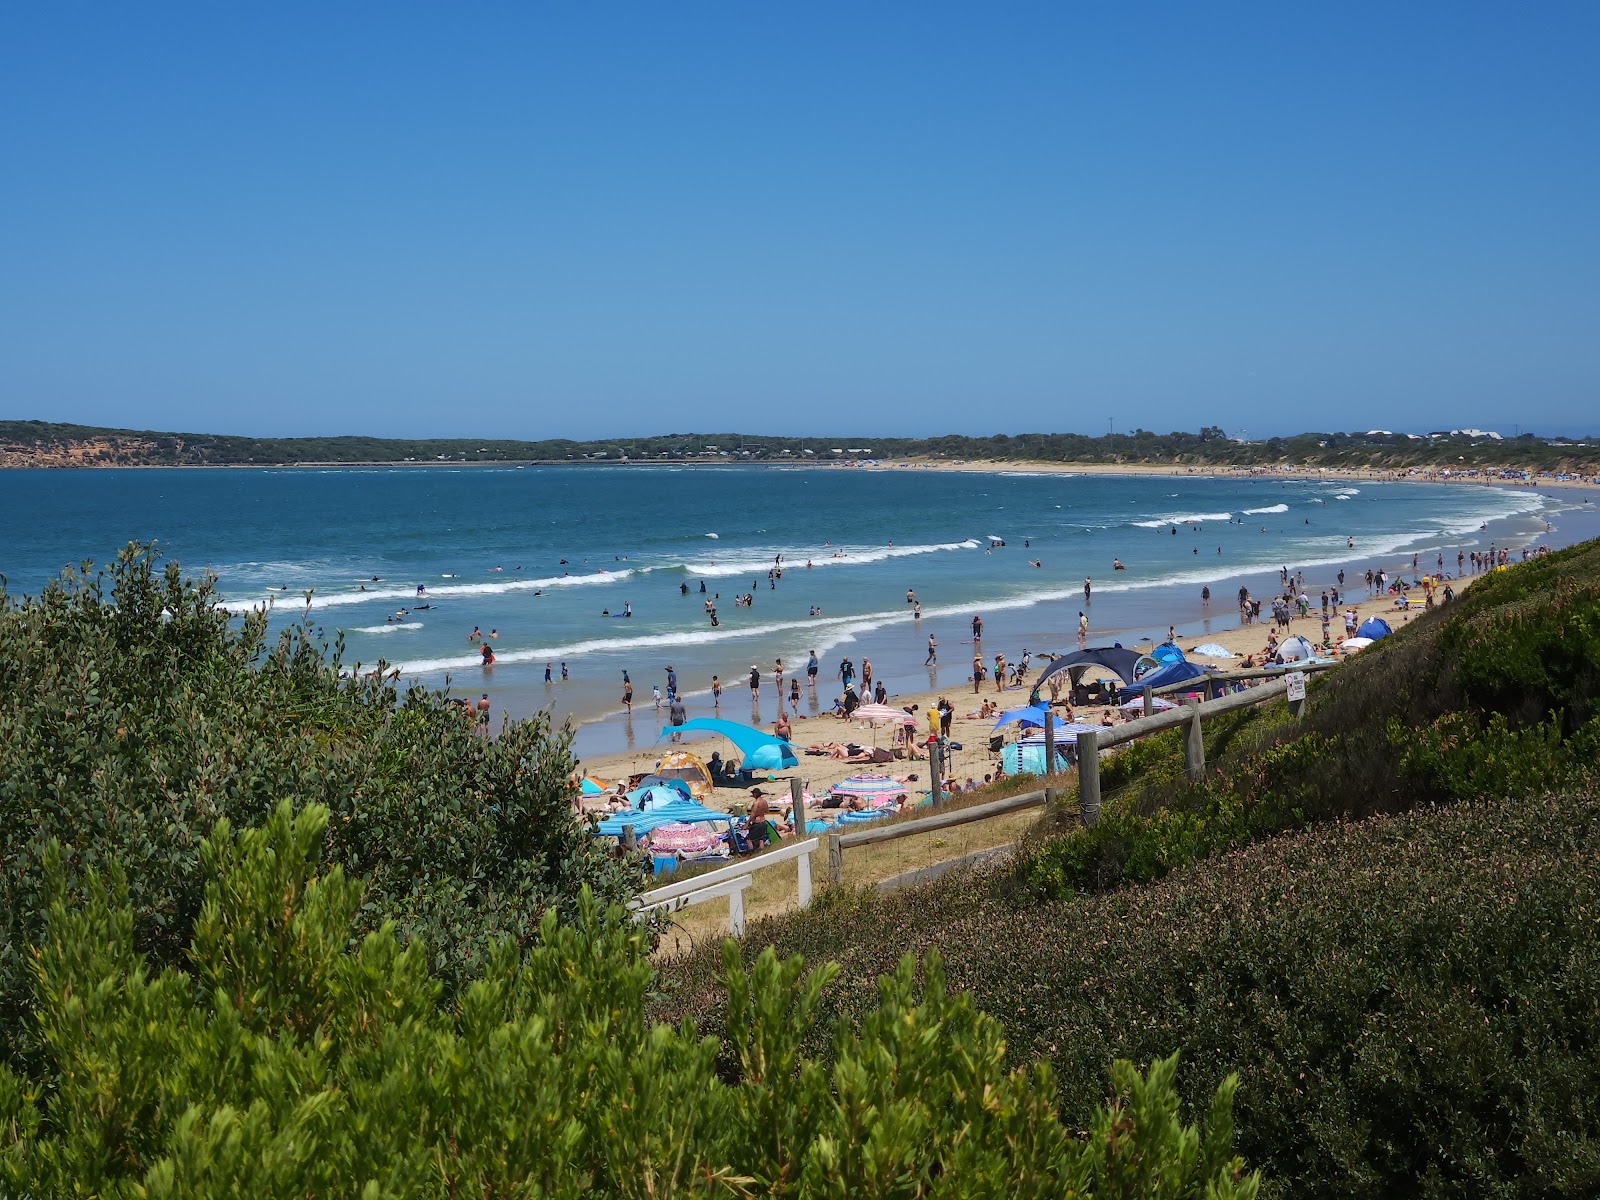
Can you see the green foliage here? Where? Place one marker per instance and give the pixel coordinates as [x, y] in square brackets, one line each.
[294, 1058]
[1412, 1003]
[1497, 694]
[139, 714]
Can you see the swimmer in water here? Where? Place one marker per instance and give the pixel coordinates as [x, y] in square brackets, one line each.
[1116, 565]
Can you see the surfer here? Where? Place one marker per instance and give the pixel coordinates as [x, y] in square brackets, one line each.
[627, 609]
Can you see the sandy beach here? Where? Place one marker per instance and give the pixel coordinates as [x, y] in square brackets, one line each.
[975, 760]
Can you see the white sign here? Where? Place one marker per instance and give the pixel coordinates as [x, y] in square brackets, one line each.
[1297, 685]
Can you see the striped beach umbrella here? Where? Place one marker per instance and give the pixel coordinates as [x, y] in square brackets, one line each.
[869, 787]
[882, 712]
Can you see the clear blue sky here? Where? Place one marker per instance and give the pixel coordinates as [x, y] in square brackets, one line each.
[599, 219]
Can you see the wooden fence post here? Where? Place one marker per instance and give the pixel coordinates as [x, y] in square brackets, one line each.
[630, 843]
[1089, 776]
[1149, 702]
[1194, 747]
[1049, 744]
[835, 859]
[736, 913]
[797, 796]
[936, 764]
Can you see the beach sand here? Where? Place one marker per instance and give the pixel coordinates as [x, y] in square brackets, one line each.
[974, 760]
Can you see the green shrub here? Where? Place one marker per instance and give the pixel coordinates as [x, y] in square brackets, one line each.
[138, 714]
[1412, 1003]
[295, 1059]
[1495, 694]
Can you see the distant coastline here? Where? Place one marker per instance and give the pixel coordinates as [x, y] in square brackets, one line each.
[1479, 455]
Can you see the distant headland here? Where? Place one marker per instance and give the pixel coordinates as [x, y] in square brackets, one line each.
[48, 444]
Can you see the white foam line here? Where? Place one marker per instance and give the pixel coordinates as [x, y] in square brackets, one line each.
[385, 628]
[828, 556]
[1275, 508]
[1181, 519]
[500, 587]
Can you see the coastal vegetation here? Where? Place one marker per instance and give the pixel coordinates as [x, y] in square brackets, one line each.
[40, 443]
[295, 1056]
[139, 713]
[1382, 915]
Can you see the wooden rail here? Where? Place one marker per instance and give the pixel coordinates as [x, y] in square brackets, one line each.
[732, 881]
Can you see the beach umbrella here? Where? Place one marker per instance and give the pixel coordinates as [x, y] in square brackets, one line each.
[590, 786]
[882, 712]
[775, 754]
[1355, 643]
[1156, 705]
[1032, 717]
[676, 811]
[868, 786]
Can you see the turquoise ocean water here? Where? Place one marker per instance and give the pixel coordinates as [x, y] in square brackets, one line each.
[488, 544]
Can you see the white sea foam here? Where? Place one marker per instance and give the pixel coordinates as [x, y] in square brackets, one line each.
[385, 628]
[1181, 519]
[498, 587]
[658, 641]
[1275, 508]
[832, 556]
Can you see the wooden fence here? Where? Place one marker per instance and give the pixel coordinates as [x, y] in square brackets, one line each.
[731, 881]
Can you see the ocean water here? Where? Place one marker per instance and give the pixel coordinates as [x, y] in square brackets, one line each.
[542, 555]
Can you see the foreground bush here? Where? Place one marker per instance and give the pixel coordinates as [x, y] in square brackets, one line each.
[290, 1061]
[137, 714]
[1412, 1004]
[1495, 694]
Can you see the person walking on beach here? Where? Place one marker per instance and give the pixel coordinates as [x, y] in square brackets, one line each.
[999, 672]
[977, 672]
[627, 692]
[677, 714]
[655, 690]
[847, 670]
[1083, 630]
[777, 678]
[672, 683]
[811, 670]
[1086, 588]
[794, 696]
[755, 683]
[716, 692]
[933, 653]
[866, 674]
[564, 673]
[547, 672]
[977, 628]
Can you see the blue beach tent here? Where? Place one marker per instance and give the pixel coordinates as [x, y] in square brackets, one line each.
[762, 751]
[1374, 628]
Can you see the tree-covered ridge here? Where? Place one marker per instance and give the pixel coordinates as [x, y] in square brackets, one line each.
[138, 714]
[39, 443]
[292, 1057]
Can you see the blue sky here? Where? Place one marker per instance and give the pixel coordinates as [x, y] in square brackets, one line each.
[593, 220]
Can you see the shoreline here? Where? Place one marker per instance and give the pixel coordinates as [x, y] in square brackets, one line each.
[974, 760]
[1488, 476]
[1195, 623]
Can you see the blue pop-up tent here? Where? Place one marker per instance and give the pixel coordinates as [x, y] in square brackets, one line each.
[1374, 628]
[762, 751]
[1032, 717]
[1172, 672]
[673, 812]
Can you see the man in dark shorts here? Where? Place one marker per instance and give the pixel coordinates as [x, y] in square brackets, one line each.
[811, 670]
[977, 629]
[755, 681]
